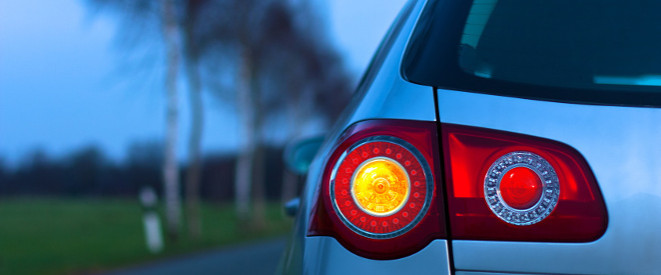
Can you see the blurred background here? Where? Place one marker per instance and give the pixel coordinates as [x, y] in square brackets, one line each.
[134, 131]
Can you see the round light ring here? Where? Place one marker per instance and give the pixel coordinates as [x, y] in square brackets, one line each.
[521, 188]
[381, 187]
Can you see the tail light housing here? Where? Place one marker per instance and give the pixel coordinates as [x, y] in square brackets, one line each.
[513, 187]
[383, 195]
[379, 197]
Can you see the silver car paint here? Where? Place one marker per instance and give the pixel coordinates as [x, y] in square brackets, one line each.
[337, 260]
[622, 145]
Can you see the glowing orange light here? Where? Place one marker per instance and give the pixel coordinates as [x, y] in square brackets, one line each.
[380, 186]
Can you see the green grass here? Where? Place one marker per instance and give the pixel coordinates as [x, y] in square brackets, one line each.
[64, 236]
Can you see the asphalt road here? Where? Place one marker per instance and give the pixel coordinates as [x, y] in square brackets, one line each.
[256, 258]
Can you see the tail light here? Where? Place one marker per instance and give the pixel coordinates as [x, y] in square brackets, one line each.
[378, 196]
[512, 187]
[381, 196]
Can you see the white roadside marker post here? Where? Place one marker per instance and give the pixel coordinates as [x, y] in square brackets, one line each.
[151, 221]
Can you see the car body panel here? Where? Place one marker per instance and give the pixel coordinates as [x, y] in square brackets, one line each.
[338, 260]
[621, 145]
[389, 96]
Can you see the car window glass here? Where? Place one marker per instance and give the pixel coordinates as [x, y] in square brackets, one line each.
[581, 44]
[602, 52]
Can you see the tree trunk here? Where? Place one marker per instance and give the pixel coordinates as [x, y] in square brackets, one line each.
[244, 164]
[170, 167]
[259, 190]
[194, 160]
[194, 172]
[259, 150]
[250, 165]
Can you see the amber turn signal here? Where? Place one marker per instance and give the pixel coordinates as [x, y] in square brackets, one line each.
[380, 186]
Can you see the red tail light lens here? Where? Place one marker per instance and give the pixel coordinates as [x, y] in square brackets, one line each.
[520, 188]
[378, 196]
[505, 186]
[380, 187]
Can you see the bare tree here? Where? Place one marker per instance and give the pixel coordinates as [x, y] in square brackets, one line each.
[282, 65]
[170, 167]
[280, 47]
[246, 35]
[314, 87]
[141, 20]
[212, 33]
[193, 175]
[269, 26]
[213, 26]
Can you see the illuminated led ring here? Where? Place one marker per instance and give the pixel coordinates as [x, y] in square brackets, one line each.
[550, 187]
[428, 183]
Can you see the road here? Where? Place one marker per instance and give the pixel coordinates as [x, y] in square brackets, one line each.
[256, 258]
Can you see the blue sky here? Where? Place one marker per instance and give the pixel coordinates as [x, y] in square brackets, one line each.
[61, 85]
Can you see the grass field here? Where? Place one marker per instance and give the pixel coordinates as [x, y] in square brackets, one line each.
[73, 236]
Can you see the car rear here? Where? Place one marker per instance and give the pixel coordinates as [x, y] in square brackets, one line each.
[510, 136]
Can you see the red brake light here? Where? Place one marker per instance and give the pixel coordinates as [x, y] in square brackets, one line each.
[506, 186]
[378, 196]
[521, 188]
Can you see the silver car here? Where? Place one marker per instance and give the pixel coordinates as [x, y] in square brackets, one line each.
[495, 136]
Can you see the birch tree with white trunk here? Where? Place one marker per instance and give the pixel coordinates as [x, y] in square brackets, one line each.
[171, 36]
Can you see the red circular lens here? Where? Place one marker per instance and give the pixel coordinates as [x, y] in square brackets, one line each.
[362, 187]
[521, 188]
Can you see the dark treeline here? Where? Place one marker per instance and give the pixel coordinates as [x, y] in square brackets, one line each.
[87, 172]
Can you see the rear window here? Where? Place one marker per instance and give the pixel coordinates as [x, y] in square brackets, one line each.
[590, 51]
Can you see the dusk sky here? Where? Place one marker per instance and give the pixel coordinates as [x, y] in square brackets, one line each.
[61, 84]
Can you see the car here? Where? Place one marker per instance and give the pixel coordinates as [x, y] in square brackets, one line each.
[494, 136]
